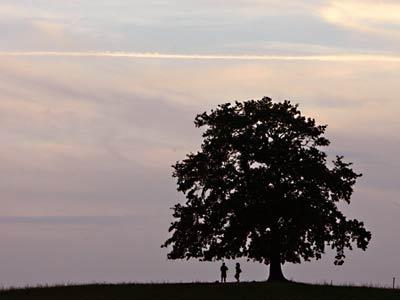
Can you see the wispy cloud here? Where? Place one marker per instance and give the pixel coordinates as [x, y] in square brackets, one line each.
[380, 17]
[72, 220]
[242, 57]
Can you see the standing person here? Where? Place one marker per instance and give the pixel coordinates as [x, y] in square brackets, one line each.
[238, 271]
[223, 269]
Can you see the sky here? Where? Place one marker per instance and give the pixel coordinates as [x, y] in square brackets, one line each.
[98, 98]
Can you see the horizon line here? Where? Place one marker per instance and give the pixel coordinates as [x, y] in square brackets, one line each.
[243, 57]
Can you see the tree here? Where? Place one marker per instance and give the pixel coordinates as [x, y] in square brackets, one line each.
[262, 188]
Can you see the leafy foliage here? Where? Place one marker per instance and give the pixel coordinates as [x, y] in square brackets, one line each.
[260, 187]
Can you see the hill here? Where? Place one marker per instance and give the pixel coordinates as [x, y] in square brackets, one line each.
[200, 291]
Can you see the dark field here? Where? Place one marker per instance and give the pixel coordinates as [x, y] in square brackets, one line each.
[203, 291]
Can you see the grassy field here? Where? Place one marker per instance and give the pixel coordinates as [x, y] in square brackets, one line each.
[203, 291]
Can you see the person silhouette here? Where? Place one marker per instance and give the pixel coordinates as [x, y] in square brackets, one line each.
[238, 271]
[223, 269]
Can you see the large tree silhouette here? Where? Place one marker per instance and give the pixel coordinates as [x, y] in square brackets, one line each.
[262, 188]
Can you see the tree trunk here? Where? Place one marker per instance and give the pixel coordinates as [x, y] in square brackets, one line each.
[275, 269]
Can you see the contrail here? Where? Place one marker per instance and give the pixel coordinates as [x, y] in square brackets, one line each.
[156, 55]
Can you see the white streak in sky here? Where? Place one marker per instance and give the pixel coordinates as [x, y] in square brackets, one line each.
[155, 55]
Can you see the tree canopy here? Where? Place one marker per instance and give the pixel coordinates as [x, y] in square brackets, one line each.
[261, 187]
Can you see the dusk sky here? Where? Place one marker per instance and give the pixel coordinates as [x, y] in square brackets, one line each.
[98, 98]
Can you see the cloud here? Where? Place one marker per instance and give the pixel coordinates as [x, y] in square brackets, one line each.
[229, 57]
[13, 11]
[378, 17]
[72, 220]
[52, 29]
[40, 26]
